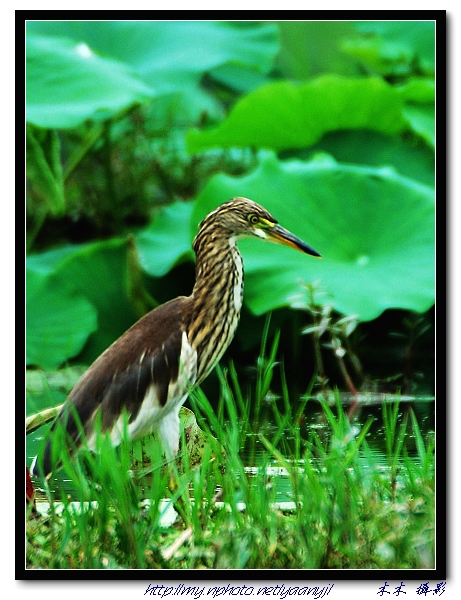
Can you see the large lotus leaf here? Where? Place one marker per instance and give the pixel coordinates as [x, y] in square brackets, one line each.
[361, 147]
[419, 109]
[419, 89]
[310, 48]
[238, 78]
[422, 121]
[283, 115]
[166, 240]
[48, 262]
[372, 148]
[67, 84]
[172, 57]
[98, 272]
[392, 46]
[374, 229]
[59, 320]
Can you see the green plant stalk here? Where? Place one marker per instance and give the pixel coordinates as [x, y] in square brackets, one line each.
[81, 151]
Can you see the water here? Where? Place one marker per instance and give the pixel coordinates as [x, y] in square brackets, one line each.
[255, 456]
[370, 407]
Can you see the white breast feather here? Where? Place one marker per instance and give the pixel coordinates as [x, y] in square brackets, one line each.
[152, 416]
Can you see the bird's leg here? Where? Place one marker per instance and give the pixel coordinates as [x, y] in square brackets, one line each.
[169, 436]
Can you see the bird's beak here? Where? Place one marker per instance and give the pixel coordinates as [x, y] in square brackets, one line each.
[280, 235]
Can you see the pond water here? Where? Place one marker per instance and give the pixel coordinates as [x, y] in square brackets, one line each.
[369, 407]
[254, 453]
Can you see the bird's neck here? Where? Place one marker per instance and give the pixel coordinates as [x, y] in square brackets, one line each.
[216, 298]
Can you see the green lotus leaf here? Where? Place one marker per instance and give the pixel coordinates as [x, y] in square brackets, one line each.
[309, 48]
[99, 273]
[67, 84]
[387, 46]
[422, 121]
[372, 149]
[166, 240]
[419, 89]
[419, 111]
[283, 115]
[169, 58]
[373, 227]
[59, 320]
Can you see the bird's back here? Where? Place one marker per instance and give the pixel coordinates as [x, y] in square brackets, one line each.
[125, 379]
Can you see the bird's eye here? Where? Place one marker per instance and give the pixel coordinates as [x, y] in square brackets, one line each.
[253, 219]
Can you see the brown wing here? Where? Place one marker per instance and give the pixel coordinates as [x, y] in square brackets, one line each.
[147, 353]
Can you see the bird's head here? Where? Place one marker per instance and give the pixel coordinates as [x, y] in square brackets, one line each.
[242, 217]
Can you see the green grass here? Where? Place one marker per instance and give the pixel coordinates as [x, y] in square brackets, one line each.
[348, 510]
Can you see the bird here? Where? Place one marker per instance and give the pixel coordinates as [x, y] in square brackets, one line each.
[146, 375]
